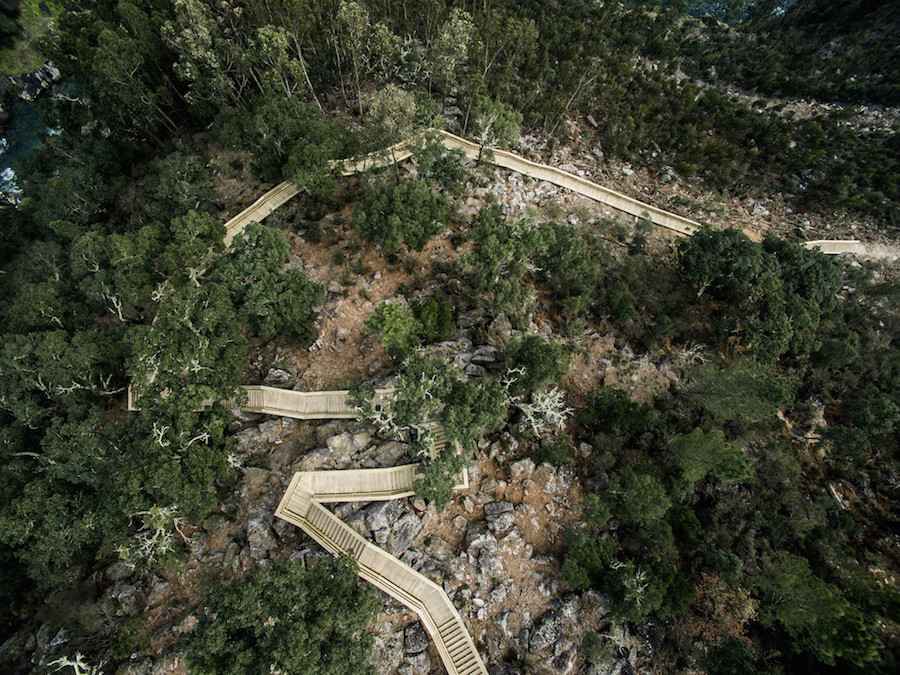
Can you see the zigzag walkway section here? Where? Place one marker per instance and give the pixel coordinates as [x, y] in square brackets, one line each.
[301, 505]
[308, 490]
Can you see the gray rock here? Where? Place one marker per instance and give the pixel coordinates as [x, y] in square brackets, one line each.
[415, 639]
[418, 664]
[564, 663]
[474, 370]
[499, 331]
[650, 634]
[381, 515]
[118, 571]
[478, 538]
[521, 470]
[403, 533]
[250, 441]
[261, 538]
[486, 354]
[279, 377]
[386, 653]
[592, 121]
[489, 563]
[342, 445]
[501, 523]
[389, 454]
[494, 509]
[547, 630]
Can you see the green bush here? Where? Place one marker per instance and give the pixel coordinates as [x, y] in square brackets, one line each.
[409, 213]
[541, 361]
[288, 618]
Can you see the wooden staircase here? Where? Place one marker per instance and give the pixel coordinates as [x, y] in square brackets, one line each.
[301, 505]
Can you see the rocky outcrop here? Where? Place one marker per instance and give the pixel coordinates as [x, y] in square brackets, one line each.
[27, 87]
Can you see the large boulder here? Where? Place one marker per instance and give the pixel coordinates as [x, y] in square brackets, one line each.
[415, 639]
[403, 532]
[261, 538]
[548, 629]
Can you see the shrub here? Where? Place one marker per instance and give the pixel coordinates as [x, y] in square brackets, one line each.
[409, 213]
[290, 619]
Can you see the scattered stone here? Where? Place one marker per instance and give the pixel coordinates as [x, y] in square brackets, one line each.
[478, 538]
[494, 509]
[521, 470]
[592, 121]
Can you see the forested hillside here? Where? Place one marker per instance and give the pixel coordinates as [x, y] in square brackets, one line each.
[713, 419]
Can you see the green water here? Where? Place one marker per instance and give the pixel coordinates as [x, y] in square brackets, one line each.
[21, 134]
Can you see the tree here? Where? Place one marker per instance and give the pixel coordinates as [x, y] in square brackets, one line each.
[192, 354]
[410, 212]
[641, 499]
[450, 49]
[814, 613]
[192, 240]
[275, 302]
[494, 124]
[202, 55]
[535, 362]
[741, 395]
[701, 453]
[398, 329]
[287, 618]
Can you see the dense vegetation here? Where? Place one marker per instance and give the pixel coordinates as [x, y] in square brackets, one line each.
[708, 506]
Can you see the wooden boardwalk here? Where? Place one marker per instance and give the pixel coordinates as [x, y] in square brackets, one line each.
[302, 503]
[302, 506]
[280, 194]
[312, 405]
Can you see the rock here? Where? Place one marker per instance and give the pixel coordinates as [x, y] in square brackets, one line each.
[627, 170]
[279, 377]
[460, 522]
[592, 121]
[415, 639]
[255, 477]
[375, 367]
[419, 664]
[126, 596]
[650, 634]
[261, 538]
[381, 515]
[547, 631]
[478, 539]
[501, 523]
[521, 470]
[494, 509]
[342, 445]
[386, 653]
[403, 533]
[118, 571]
[489, 563]
[499, 331]
[486, 354]
[249, 441]
[564, 663]
[389, 454]
[474, 370]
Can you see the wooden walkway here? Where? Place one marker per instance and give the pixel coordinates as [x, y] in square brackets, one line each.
[270, 201]
[302, 506]
[313, 405]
